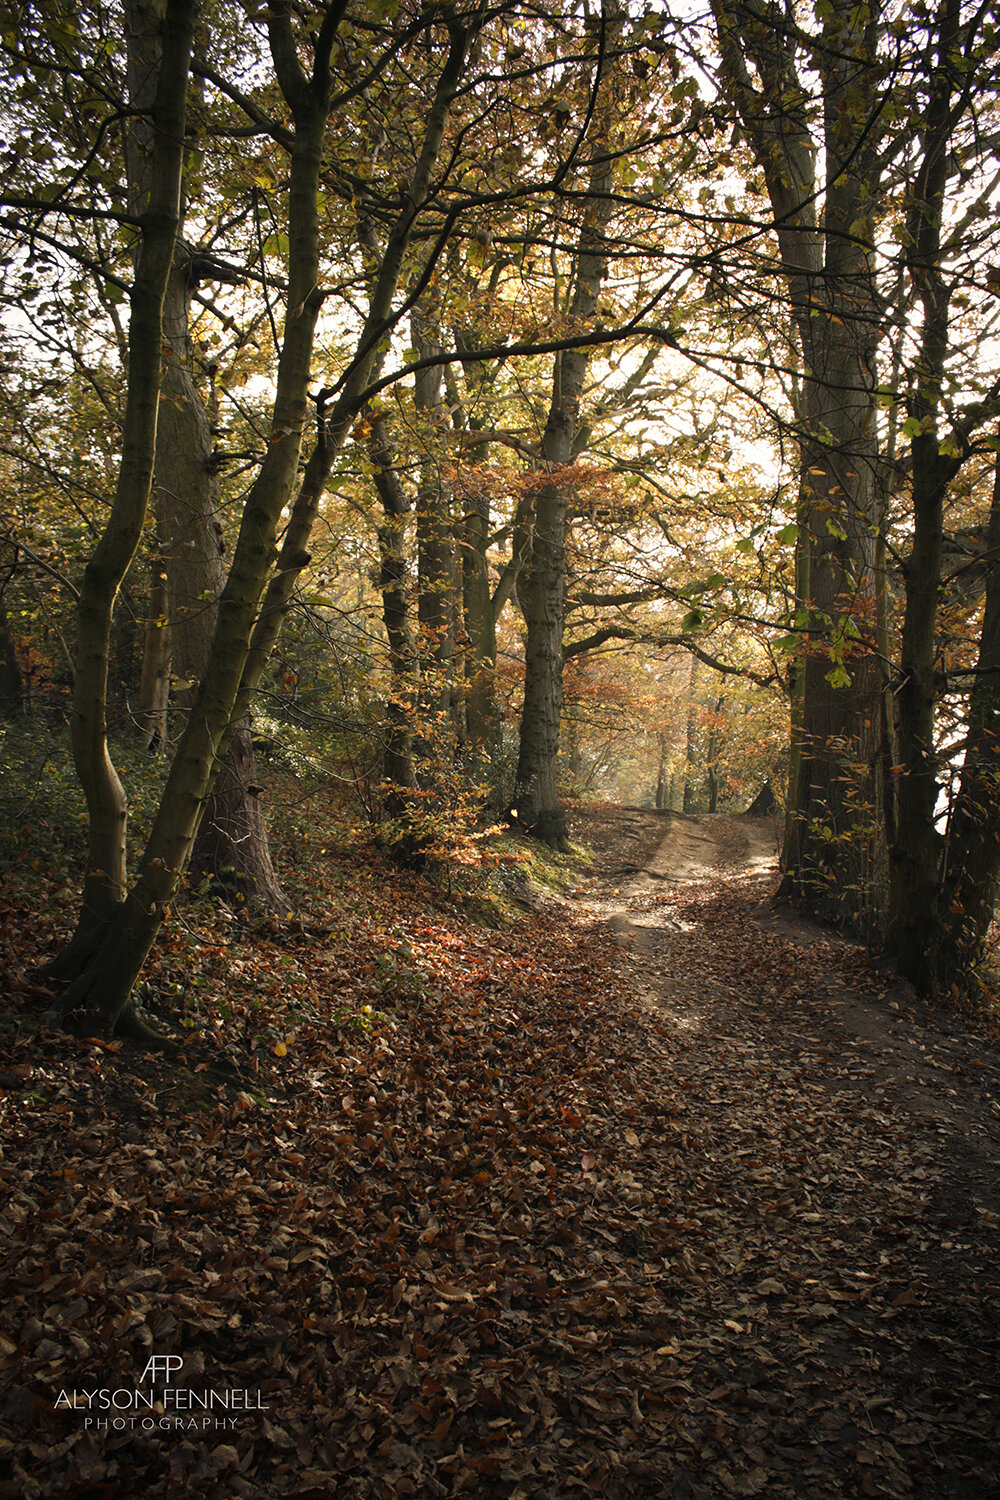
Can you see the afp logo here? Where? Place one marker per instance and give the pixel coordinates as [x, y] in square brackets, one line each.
[165, 1365]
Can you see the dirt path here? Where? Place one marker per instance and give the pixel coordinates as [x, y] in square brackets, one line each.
[841, 1259]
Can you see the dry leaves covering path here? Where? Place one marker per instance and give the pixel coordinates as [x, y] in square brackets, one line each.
[836, 1264]
[657, 1195]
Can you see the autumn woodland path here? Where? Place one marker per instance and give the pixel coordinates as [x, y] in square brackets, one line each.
[658, 1194]
[835, 1256]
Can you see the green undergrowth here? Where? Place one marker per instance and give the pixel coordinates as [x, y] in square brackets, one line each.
[526, 874]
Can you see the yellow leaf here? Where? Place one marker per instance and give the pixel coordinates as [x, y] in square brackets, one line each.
[280, 1050]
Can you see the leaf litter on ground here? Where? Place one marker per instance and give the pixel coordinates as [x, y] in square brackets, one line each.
[606, 1203]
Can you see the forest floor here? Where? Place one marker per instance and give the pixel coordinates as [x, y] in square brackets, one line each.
[657, 1192]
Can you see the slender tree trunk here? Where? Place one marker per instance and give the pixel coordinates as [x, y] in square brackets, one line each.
[542, 585]
[479, 610]
[154, 687]
[689, 796]
[715, 744]
[436, 563]
[661, 775]
[11, 682]
[102, 991]
[481, 717]
[401, 708]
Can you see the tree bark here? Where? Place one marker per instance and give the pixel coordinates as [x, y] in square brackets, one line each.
[104, 883]
[915, 856]
[401, 707]
[11, 682]
[662, 793]
[436, 577]
[231, 846]
[716, 740]
[828, 268]
[689, 802]
[969, 889]
[154, 686]
[542, 585]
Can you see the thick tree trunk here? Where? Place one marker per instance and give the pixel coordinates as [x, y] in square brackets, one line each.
[232, 847]
[915, 855]
[835, 315]
[969, 891]
[541, 594]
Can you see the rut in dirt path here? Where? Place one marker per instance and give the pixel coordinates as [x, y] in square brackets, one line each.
[842, 1241]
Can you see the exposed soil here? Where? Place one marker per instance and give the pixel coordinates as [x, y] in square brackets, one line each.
[851, 1134]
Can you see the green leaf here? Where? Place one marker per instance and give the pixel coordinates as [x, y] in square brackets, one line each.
[788, 534]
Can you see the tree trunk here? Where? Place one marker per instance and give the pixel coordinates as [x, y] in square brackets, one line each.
[914, 912]
[398, 766]
[479, 610]
[231, 845]
[11, 682]
[479, 617]
[435, 546]
[101, 993]
[542, 585]
[828, 267]
[104, 883]
[662, 793]
[969, 890]
[154, 687]
[716, 741]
